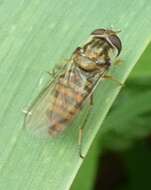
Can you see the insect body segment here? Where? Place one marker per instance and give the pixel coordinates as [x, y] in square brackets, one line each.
[64, 98]
[69, 95]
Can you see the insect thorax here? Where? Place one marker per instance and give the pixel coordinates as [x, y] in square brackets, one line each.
[94, 55]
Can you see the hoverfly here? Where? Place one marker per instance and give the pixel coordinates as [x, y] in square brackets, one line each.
[63, 98]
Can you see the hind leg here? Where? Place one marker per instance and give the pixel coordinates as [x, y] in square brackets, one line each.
[82, 127]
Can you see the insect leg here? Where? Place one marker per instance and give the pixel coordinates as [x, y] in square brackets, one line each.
[54, 71]
[118, 62]
[109, 77]
[57, 69]
[51, 73]
[91, 100]
[83, 125]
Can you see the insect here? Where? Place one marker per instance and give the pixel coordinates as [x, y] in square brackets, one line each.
[64, 97]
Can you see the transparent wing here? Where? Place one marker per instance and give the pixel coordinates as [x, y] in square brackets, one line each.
[36, 119]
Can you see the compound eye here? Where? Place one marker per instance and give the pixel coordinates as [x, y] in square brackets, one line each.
[115, 41]
[100, 31]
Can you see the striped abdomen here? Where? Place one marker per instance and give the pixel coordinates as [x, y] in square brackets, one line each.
[69, 94]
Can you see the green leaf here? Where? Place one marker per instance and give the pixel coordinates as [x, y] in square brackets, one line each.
[88, 169]
[34, 36]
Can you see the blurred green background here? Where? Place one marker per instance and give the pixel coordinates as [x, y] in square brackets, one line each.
[120, 157]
